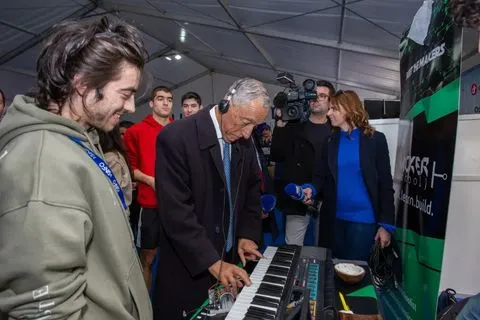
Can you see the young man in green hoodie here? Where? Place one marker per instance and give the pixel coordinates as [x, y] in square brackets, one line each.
[66, 249]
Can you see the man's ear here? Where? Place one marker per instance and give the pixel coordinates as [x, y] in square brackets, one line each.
[79, 85]
[150, 104]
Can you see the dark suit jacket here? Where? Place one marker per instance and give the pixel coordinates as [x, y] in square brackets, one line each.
[193, 210]
[376, 172]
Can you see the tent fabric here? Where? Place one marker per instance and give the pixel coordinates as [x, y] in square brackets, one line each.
[353, 43]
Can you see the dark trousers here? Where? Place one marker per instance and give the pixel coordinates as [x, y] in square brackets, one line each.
[353, 240]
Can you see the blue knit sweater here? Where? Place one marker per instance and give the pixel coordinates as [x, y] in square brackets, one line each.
[353, 200]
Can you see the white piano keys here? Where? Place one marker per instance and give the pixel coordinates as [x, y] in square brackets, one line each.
[245, 298]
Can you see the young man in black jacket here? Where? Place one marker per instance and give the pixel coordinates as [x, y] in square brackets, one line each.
[295, 146]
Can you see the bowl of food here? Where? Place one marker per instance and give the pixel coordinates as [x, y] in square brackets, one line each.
[349, 272]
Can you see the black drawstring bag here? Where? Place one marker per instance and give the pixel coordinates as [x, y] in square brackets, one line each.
[385, 264]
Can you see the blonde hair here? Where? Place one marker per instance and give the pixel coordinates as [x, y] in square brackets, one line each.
[356, 116]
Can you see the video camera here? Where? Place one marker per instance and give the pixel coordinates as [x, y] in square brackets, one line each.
[294, 102]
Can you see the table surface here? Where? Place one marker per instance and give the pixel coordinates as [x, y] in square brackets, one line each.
[361, 298]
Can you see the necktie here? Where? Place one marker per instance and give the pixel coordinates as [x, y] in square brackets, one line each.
[226, 169]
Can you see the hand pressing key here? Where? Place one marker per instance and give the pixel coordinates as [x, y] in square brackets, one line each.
[248, 250]
[229, 275]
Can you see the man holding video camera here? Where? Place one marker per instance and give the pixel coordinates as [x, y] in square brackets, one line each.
[295, 146]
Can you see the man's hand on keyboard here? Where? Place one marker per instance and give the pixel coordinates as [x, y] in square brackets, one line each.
[229, 275]
[248, 250]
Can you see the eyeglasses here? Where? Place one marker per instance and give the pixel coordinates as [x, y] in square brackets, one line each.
[321, 96]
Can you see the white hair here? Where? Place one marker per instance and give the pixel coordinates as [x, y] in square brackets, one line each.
[242, 92]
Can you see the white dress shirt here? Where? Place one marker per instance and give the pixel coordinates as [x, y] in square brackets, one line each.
[218, 131]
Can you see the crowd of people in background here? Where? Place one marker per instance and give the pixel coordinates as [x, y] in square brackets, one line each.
[86, 200]
[189, 187]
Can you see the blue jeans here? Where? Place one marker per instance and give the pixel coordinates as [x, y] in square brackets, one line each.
[471, 310]
[353, 240]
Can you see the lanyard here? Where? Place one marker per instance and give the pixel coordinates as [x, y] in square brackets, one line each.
[103, 166]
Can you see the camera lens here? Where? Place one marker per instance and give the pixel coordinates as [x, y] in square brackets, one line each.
[292, 112]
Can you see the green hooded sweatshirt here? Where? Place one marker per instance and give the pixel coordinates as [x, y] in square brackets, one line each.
[66, 249]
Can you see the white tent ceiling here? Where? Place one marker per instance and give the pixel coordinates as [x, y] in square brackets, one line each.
[353, 43]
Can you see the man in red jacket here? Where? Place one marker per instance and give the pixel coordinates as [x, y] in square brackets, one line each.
[140, 144]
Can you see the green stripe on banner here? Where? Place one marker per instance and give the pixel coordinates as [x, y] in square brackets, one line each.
[430, 250]
[439, 104]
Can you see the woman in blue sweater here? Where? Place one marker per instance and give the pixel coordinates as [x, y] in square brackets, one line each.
[354, 181]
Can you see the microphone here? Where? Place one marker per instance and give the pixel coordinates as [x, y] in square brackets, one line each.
[295, 192]
[268, 202]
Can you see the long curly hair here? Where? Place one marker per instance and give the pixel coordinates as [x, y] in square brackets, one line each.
[93, 48]
[356, 115]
